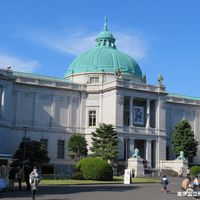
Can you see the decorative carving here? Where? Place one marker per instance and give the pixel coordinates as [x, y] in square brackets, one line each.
[117, 73]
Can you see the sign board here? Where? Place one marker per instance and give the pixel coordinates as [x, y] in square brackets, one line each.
[127, 176]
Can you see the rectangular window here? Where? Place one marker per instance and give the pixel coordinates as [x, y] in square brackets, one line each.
[152, 114]
[44, 142]
[92, 118]
[94, 79]
[60, 148]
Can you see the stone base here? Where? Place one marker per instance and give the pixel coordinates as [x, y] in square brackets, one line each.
[136, 164]
[176, 165]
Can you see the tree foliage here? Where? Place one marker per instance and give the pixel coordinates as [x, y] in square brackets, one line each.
[105, 142]
[77, 146]
[183, 140]
[35, 152]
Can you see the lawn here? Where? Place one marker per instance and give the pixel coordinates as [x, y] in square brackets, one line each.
[48, 179]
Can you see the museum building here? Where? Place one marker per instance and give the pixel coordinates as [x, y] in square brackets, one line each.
[102, 85]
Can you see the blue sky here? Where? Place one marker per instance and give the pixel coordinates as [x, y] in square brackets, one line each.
[163, 36]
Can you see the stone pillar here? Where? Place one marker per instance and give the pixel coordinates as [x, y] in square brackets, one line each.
[160, 150]
[53, 111]
[131, 112]
[69, 120]
[157, 114]
[131, 147]
[3, 102]
[148, 152]
[148, 113]
[136, 165]
[160, 116]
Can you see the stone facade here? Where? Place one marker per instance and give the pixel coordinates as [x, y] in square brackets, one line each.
[52, 109]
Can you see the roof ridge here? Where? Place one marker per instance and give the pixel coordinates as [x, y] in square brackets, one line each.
[183, 96]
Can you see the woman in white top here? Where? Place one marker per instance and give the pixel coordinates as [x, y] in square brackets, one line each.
[34, 179]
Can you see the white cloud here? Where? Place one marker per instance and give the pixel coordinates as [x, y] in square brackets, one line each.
[133, 45]
[74, 44]
[77, 42]
[17, 64]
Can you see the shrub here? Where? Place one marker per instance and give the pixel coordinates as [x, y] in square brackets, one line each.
[195, 170]
[95, 169]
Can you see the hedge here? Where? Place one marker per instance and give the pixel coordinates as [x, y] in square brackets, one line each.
[95, 169]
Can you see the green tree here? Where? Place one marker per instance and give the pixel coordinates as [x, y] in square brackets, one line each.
[183, 140]
[77, 146]
[105, 142]
[33, 151]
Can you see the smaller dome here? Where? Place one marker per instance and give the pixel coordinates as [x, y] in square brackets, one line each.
[105, 35]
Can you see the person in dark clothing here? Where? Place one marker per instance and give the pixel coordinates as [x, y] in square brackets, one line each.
[164, 183]
[20, 176]
[11, 177]
[27, 171]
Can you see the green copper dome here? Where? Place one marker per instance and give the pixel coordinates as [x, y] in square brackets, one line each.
[104, 57]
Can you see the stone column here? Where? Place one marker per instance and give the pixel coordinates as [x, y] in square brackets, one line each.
[53, 111]
[157, 114]
[69, 118]
[160, 115]
[148, 152]
[131, 112]
[131, 147]
[3, 102]
[148, 113]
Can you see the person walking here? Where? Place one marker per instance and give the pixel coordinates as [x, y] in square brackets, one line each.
[34, 179]
[11, 177]
[196, 183]
[164, 183]
[27, 171]
[20, 176]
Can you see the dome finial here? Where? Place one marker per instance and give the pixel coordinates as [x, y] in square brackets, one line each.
[105, 24]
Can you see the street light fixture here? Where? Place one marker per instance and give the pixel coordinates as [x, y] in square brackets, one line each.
[24, 152]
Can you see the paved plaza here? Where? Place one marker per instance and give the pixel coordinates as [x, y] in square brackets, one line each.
[100, 192]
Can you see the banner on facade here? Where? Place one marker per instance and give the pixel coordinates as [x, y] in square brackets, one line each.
[138, 115]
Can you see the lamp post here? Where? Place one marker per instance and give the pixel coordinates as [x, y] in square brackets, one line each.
[24, 152]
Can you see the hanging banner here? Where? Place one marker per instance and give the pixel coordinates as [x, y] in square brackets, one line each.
[138, 115]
